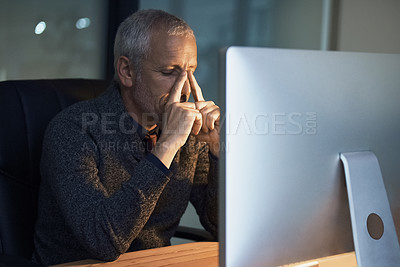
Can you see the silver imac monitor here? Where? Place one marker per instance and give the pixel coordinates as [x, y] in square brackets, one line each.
[287, 117]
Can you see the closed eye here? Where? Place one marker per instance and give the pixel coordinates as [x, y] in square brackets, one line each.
[168, 72]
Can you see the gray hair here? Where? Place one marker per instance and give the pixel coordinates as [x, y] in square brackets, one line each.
[133, 35]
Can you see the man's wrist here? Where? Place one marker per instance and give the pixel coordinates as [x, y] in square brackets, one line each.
[159, 164]
[165, 152]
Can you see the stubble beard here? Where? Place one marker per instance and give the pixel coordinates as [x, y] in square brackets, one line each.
[147, 104]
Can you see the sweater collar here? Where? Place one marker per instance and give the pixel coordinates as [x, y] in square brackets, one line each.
[113, 104]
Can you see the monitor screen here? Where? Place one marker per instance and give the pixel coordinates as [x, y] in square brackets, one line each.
[287, 115]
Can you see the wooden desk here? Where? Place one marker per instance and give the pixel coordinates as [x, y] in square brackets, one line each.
[342, 260]
[196, 255]
[190, 254]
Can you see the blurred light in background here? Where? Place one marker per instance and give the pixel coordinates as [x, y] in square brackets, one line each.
[40, 39]
[40, 27]
[82, 23]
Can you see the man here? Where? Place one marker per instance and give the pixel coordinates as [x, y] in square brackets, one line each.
[106, 191]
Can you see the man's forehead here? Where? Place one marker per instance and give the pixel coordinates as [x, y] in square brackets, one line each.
[166, 49]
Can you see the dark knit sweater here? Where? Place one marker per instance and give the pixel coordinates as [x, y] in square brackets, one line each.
[101, 195]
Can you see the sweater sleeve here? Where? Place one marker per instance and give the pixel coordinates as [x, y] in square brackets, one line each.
[104, 223]
[204, 195]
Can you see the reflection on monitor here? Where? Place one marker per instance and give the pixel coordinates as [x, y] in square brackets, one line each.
[288, 115]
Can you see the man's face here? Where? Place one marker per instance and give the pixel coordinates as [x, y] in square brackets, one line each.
[168, 57]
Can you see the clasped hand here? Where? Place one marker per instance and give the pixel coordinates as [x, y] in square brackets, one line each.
[182, 119]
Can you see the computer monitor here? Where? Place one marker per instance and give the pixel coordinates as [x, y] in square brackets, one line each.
[287, 117]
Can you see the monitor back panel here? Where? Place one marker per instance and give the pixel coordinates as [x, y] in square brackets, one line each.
[287, 114]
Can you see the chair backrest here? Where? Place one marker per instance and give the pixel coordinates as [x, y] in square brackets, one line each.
[26, 107]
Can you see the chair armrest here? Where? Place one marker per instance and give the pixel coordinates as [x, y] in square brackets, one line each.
[194, 234]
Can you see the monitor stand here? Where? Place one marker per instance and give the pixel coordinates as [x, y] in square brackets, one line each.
[374, 233]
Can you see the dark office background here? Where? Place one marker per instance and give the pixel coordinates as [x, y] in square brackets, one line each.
[74, 38]
[78, 38]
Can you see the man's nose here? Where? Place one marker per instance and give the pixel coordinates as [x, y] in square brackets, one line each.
[185, 92]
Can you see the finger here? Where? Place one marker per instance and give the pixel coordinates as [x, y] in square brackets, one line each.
[195, 88]
[197, 124]
[176, 90]
[211, 114]
[205, 105]
[188, 105]
[201, 104]
[210, 106]
[212, 119]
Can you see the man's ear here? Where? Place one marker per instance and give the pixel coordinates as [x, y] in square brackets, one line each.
[125, 72]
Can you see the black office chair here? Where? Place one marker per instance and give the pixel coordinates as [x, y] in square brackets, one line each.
[26, 107]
